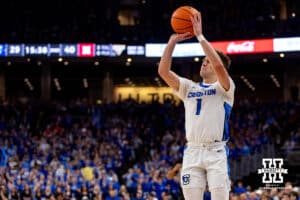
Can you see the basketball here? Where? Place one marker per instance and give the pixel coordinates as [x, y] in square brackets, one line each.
[180, 20]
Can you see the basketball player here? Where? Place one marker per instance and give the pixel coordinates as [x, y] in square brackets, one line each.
[207, 108]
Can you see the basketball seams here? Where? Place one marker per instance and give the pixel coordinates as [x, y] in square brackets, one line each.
[187, 10]
[187, 27]
[182, 19]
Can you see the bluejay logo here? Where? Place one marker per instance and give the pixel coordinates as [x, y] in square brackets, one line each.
[272, 170]
[185, 179]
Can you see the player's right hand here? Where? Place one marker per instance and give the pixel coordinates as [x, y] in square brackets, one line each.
[197, 24]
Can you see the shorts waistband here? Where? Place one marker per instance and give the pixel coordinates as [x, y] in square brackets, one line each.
[207, 144]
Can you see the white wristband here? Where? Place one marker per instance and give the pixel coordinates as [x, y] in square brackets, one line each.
[201, 38]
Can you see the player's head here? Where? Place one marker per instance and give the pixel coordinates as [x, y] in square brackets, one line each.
[207, 71]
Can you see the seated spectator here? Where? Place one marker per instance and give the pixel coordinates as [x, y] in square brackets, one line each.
[239, 188]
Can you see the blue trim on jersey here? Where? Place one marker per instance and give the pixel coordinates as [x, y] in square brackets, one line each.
[227, 155]
[227, 109]
[202, 85]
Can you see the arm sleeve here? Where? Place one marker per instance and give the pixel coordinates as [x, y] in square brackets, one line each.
[183, 88]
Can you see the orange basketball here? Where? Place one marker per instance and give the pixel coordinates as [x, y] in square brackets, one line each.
[180, 20]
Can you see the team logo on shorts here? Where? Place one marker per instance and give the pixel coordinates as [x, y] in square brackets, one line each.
[186, 179]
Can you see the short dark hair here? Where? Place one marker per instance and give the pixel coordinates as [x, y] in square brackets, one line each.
[295, 194]
[225, 59]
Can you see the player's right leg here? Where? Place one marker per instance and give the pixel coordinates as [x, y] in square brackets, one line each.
[193, 177]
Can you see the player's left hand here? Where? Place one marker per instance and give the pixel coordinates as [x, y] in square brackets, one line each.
[178, 37]
[197, 24]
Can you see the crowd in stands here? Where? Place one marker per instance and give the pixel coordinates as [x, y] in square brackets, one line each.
[99, 21]
[122, 150]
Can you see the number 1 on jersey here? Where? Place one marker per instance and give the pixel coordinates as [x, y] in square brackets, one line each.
[198, 109]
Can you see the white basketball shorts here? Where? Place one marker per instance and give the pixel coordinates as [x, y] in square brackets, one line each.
[206, 163]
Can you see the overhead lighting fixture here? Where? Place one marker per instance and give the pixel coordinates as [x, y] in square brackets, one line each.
[247, 82]
[265, 60]
[281, 55]
[39, 63]
[66, 63]
[127, 63]
[272, 17]
[196, 59]
[275, 81]
[57, 84]
[129, 60]
[60, 59]
[28, 59]
[293, 14]
[85, 83]
[96, 63]
[8, 63]
[29, 84]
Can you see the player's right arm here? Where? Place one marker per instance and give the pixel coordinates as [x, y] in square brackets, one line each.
[164, 68]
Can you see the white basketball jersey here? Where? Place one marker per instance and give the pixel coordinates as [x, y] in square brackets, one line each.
[207, 110]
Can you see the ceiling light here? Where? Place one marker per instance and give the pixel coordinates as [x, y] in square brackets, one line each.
[129, 60]
[96, 63]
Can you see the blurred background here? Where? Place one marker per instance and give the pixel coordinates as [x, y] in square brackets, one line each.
[84, 114]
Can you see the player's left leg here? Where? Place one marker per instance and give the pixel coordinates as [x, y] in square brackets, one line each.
[218, 173]
[219, 193]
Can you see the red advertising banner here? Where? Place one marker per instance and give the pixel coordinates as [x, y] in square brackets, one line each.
[245, 46]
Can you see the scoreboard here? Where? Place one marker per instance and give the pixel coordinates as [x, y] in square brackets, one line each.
[62, 50]
[250, 46]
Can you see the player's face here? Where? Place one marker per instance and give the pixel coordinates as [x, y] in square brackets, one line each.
[206, 69]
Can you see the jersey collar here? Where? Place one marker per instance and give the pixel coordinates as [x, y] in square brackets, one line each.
[204, 85]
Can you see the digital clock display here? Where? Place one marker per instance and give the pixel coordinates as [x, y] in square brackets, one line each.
[36, 49]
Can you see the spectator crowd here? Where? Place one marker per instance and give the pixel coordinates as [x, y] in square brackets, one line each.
[123, 150]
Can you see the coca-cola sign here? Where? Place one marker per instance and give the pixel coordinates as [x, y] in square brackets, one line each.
[245, 46]
[234, 47]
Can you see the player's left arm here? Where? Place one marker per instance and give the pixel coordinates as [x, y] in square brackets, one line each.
[213, 57]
